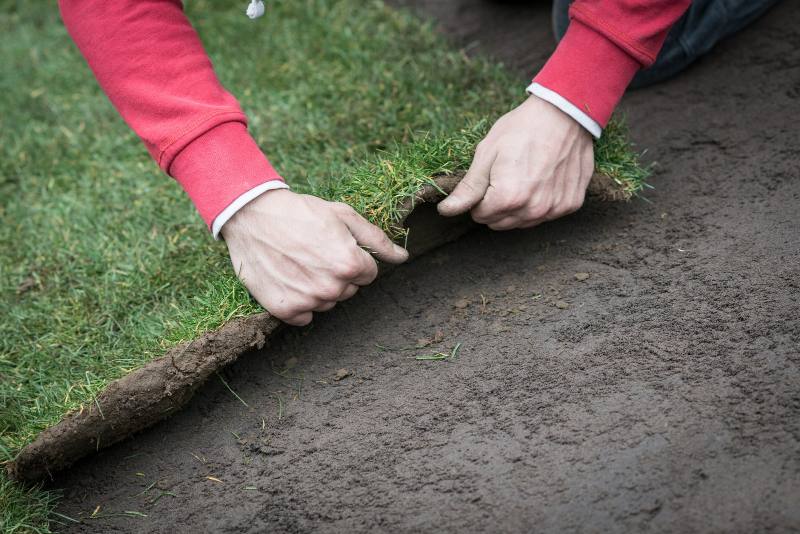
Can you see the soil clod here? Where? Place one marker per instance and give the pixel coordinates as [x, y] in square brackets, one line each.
[341, 374]
[462, 303]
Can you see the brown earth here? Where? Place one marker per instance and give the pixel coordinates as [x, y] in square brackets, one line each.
[166, 384]
[661, 393]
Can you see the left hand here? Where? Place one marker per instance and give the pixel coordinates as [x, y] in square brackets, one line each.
[533, 166]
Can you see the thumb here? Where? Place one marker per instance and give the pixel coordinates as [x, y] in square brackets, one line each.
[372, 238]
[471, 189]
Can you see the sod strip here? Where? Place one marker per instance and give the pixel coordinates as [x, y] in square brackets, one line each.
[166, 384]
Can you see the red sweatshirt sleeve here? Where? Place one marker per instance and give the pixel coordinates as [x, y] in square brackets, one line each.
[149, 61]
[606, 42]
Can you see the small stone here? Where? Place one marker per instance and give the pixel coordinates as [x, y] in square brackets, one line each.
[581, 277]
[437, 337]
[462, 303]
[561, 304]
[341, 374]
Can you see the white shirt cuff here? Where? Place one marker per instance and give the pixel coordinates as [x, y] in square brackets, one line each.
[567, 107]
[240, 202]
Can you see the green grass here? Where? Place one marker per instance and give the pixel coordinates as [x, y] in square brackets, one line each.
[26, 509]
[104, 262]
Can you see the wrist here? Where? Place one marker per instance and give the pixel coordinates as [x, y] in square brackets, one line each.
[589, 71]
[241, 202]
[551, 97]
[252, 214]
[219, 167]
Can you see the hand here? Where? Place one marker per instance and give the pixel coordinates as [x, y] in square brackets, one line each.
[298, 254]
[533, 166]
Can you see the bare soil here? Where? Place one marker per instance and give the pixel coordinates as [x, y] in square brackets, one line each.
[166, 384]
[659, 393]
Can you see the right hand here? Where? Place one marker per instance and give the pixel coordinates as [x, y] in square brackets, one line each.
[299, 254]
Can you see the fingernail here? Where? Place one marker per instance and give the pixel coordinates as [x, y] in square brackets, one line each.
[400, 251]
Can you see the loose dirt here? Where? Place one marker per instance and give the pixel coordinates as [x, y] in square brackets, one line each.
[665, 395]
[166, 384]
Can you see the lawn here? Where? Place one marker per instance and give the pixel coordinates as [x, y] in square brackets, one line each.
[105, 264]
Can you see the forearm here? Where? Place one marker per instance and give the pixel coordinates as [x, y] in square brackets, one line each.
[606, 43]
[150, 62]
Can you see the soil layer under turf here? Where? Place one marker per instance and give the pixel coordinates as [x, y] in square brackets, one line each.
[630, 367]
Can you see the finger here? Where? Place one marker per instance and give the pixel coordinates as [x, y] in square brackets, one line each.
[498, 204]
[373, 238]
[507, 223]
[368, 271]
[531, 224]
[565, 195]
[534, 215]
[491, 218]
[325, 306]
[348, 292]
[301, 319]
[472, 188]
[505, 198]
[513, 179]
[537, 215]
[290, 306]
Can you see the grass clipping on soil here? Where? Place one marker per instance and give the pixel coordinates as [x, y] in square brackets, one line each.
[105, 264]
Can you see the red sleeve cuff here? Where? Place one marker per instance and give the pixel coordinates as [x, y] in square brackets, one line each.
[219, 166]
[588, 70]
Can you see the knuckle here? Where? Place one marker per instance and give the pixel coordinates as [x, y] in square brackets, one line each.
[516, 203]
[479, 219]
[348, 292]
[537, 212]
[329, 290]
[480, 216]
[343, 209]
[287, 310]
[467, 184]
[348, 268]
[281, 311]
[325, 306]
[372, 273]
[512, 202]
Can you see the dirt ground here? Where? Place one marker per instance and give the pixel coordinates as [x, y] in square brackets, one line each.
[660, 393]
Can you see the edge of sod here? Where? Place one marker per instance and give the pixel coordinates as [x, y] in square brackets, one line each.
[380, 189]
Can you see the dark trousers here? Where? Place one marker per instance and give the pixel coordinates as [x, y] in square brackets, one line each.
[703, 25]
